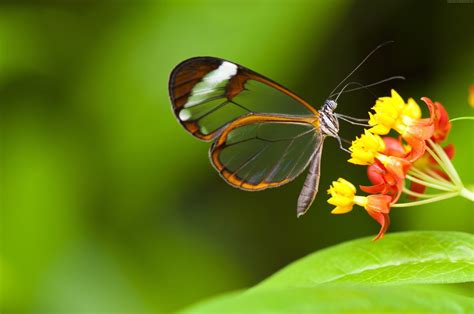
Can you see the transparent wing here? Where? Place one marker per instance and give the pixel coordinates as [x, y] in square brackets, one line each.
[207, 93]
[256, 152]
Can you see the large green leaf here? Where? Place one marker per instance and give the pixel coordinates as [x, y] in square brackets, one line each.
[362, 275]
[399, 258]
[339, 298]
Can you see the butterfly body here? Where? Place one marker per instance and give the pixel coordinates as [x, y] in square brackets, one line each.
[327, 119]
[264, 135]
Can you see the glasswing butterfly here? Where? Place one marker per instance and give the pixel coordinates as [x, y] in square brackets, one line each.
[264, 134]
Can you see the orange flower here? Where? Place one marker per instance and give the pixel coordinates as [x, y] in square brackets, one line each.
[394, 147]
[378, 207]
[386, 181]
[368, 148]
[441, 123]
[395, 165]
[344, 198]
[383, 182]
[418, 131]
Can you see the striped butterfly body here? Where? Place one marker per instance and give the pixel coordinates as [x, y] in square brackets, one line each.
[263, 134]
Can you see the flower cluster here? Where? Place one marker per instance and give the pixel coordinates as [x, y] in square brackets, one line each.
[408, 163]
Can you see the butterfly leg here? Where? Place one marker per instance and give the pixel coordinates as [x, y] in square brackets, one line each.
[353, 121]
[342, 147]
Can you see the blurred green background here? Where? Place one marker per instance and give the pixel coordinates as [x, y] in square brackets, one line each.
[108, 205]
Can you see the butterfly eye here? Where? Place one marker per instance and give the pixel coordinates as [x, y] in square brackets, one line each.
[331, 104]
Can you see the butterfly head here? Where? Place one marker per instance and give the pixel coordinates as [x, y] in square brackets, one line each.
[330, 104]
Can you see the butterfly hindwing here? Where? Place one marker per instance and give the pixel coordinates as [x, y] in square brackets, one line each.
[256, 152]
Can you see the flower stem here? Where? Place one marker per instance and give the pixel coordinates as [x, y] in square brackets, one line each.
[466, 193]
[420, 195]
[428, 184]
[441, 163]
[425, 177]
[451, 170]
[428, 200]
[461, 118]
[436, 176]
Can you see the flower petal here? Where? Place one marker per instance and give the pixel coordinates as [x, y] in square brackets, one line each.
[342, 196]
[376, 173]
[418, 188]
[383, 220]
[418, 147]
[380, 188]
[365, 147]
[442, 125]
[379, 203]
[341, 210]
[449, 150]
[393, 147]
[398, 167]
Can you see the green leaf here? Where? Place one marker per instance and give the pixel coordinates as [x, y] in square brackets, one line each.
[339, 298]
[363, 275]
[398, 258]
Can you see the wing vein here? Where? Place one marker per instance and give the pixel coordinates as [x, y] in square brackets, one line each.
[250, 159]
[290, 173]
[210, 111]
[278, 163]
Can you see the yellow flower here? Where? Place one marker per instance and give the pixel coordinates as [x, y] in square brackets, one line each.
[365, 148]
[393, 113]
[342, 196]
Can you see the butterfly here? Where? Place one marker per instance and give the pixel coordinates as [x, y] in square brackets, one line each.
[264, 135]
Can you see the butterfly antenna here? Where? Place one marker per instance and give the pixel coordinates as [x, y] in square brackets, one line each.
[392, 78]
[342, 90]
[361, 63]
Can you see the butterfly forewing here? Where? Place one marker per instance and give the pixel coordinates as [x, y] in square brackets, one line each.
[207, 93]
[260, 151]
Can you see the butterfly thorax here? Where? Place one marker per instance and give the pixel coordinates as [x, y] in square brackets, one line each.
[327, 119]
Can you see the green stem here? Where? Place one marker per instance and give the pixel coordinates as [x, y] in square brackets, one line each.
[461, 118]
[466, 193]
[420, 195]
[429, 200]
[441, 163]
[442, 154]
[425, 177]
[429, 184]
[436, 176]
